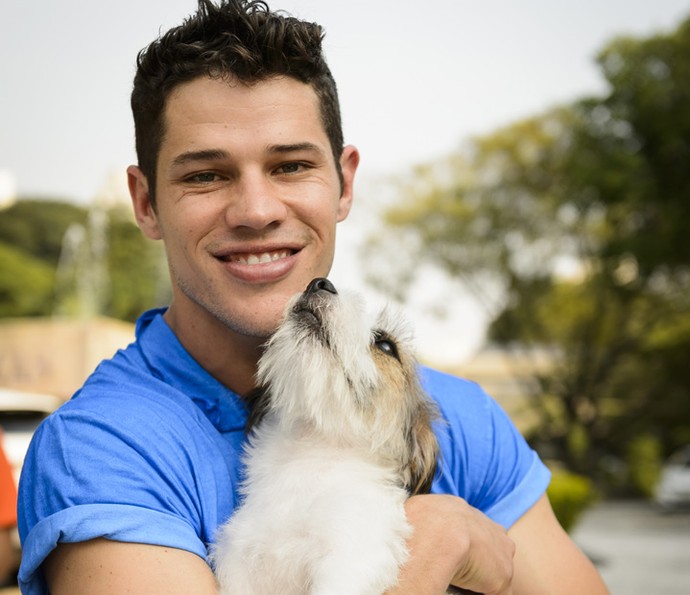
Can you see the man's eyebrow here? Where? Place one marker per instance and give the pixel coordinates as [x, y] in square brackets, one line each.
[218, 154]
[296, 147]
[203, 155]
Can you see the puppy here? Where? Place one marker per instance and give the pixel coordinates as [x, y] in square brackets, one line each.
[341, 437]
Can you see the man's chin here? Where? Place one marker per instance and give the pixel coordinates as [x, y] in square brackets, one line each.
[256, 327]
[251, 329]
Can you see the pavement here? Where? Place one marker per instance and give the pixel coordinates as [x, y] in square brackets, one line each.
[638, 549]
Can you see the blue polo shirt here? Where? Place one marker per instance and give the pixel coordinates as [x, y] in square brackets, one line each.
[148, 451]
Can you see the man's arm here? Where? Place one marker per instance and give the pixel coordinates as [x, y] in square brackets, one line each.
[455, 543]
[112, 568]
[546, 560]
[452, 542]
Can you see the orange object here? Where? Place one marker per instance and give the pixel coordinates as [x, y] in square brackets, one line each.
[8, 492]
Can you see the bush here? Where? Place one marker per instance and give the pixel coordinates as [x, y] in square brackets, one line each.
[570, 496]
[644, 464]
[26, 284]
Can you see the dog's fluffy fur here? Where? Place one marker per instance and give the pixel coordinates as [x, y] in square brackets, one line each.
[342, 436]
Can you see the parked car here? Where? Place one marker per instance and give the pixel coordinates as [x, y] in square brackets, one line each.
[20, 414]
[673, 489]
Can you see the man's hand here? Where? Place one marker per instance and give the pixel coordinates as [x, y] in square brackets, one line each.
[454, 543]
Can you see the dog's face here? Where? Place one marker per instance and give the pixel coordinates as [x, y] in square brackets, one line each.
[331, 371]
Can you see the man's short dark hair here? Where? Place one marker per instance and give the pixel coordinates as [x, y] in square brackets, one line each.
[238, 39]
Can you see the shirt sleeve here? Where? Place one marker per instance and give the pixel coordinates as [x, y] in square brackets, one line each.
[484, 458]
[128, 476]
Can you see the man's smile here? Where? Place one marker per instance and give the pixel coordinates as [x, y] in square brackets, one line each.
[259, 258]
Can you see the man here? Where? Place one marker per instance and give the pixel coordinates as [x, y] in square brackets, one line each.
[243, 175]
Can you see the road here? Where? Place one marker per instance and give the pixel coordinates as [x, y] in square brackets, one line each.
[638, 550]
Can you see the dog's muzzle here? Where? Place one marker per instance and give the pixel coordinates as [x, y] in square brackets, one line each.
[320, 284]
[310, 305]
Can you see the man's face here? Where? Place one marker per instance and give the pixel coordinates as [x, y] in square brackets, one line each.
[247, 200]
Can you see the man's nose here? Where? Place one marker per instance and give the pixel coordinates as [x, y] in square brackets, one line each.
[256, 203]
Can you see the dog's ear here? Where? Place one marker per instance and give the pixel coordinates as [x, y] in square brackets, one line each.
[257, 401]
[418, 473]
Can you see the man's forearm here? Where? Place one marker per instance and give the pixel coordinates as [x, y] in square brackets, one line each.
[454, 543]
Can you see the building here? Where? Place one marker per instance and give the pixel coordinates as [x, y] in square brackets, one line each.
[54, 356]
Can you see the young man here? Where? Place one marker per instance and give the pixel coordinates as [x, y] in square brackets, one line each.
[243, 175]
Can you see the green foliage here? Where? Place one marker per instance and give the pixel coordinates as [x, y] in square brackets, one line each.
[578, 445]
[37, 227]
[649, 106]
[59, 258]
[26, 283]
[602, 185]
[644, 463]
[138, 276]
[570, 495]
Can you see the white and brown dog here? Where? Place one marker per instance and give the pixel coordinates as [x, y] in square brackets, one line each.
[341, 437]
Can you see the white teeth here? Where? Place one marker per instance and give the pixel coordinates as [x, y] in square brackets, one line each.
[262, 258]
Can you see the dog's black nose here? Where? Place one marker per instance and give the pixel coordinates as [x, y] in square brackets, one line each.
[320, 284]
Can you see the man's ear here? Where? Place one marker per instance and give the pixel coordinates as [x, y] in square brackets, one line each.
[349, 160]
[144, 212]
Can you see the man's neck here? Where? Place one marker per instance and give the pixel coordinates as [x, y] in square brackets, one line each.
[229, 357]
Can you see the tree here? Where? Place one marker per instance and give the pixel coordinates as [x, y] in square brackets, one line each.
[37, 226]
[600, 185]
[26, 283]
[643, 126]
[61, 258]
[138, 277]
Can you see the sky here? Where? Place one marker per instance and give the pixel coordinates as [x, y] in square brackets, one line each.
[415, 78]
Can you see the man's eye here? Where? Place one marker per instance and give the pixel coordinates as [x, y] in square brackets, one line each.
[205, 177]
[291, 168]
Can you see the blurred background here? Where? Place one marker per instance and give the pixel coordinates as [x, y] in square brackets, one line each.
[524, 193]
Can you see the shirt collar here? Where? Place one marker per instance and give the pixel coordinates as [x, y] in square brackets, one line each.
[172, 363]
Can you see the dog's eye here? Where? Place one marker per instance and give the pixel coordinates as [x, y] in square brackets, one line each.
[386, 345]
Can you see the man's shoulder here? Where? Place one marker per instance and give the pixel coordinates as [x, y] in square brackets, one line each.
[446, 388]
[136, 375]
[124, 391]
[466, 409]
